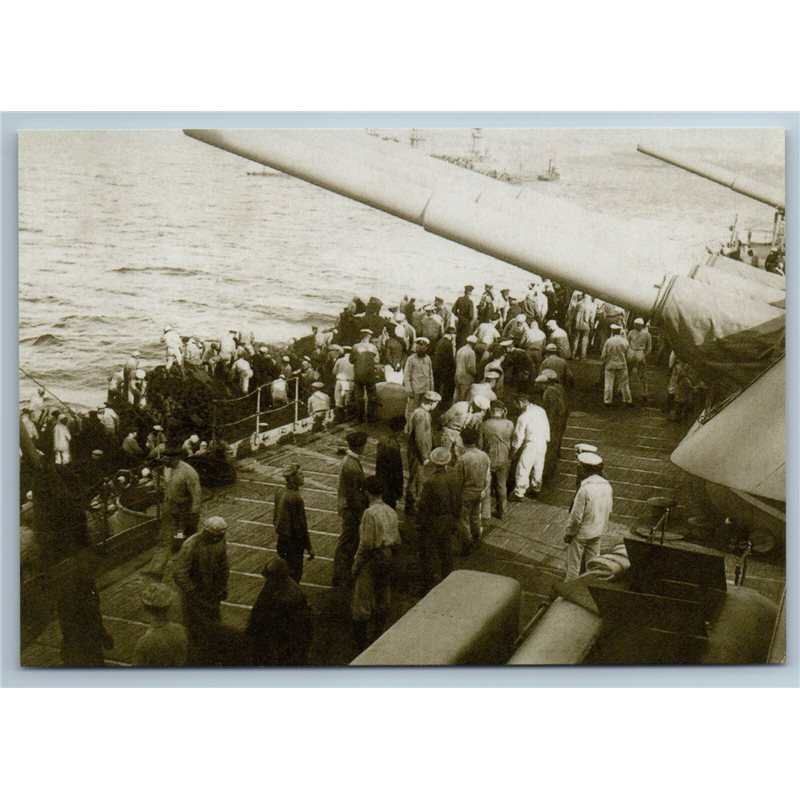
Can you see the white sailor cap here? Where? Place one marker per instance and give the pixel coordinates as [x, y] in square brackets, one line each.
[551, 348]
[638, 321]
[482, 402]
[158, 428]
[423, 340]
[317, 385]
[432, 397]
[491, 373]
[615, 327]
[590, 459]
[140, 373]
[506, 343]
[367, 330]
[520, 318]
[472, 338]
[551, 323]
[286, 360]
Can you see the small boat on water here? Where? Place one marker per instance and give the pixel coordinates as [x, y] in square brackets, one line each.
[552, 173]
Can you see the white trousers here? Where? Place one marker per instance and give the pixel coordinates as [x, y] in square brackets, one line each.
[616, 380]
[577, 549]
[342, 393]
[174, 356]
[529, 468]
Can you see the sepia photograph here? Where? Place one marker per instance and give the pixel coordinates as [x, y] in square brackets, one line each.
[421, 397]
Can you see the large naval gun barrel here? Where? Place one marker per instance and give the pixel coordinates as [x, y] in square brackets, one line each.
[737, 183]
[731, 337]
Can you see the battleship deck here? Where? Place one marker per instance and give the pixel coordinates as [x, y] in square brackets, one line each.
[526, 545]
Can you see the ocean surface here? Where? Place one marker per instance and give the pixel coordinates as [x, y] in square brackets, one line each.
[122, 232]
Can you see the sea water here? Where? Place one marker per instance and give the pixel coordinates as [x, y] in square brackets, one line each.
[123, 232]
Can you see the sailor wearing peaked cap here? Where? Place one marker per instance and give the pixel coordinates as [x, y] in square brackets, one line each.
[423, 340]
[615, 356]
[432, 397]
[551, 348]
[365, 331]
[472, 338]
[291, 525]
[469, 288]
[640, 345]
[481, 402]
[588, 519]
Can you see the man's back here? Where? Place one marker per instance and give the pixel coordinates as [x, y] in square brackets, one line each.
[441, 495]
[202, 567]
[472, 471]
[351, 484]
[532, 427]
[591, 508]
[496, 436]
[615, 352]
[465, 361]
[364, 360]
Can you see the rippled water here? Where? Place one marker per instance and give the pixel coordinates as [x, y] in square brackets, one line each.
[121, 232]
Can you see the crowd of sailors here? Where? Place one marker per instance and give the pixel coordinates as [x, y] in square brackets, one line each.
[486, 385]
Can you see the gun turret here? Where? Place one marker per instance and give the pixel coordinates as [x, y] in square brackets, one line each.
[737, 183]
[730, 335]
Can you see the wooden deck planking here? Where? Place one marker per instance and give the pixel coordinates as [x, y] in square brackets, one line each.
[527, 544]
